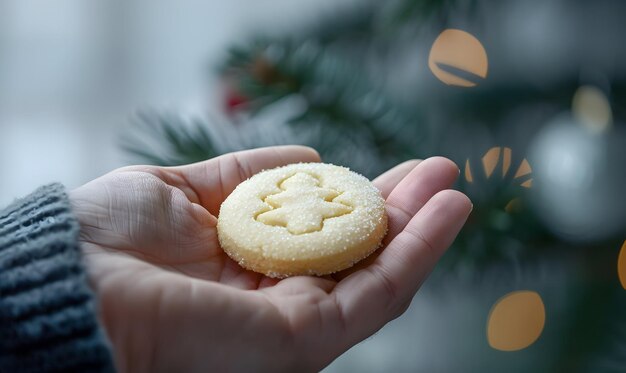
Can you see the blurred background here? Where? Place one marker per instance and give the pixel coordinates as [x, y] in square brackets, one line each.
[528, 98]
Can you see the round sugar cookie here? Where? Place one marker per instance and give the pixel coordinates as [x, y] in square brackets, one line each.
[302, 219]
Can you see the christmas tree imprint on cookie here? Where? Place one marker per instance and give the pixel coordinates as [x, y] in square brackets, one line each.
[303, 205]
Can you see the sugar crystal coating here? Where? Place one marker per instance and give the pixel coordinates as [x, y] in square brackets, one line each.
[302, 219]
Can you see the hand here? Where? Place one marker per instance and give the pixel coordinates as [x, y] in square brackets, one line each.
[171, 300]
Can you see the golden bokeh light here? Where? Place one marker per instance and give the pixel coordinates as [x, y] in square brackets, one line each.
[500, 155]
[592, 109]
[458, 58]
[516, 321]
[468, 172]
[491, 158]
[514, 205]
[621, 265]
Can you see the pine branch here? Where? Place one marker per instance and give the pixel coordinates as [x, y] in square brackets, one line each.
[167, 140]
[336, 92]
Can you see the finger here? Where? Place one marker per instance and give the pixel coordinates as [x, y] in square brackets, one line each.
[421, 183]
[213, 180]
[388, 180]
[370, 298]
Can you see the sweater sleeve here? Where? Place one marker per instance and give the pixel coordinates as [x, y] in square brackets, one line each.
[48, 319]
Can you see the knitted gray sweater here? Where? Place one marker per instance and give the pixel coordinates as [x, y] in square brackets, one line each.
[48, 320]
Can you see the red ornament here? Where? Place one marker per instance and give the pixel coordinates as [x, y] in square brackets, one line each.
[233, 100]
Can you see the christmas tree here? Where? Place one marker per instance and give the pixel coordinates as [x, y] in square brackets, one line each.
[534, 126]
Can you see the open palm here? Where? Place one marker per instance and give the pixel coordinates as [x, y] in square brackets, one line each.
[170, 298]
